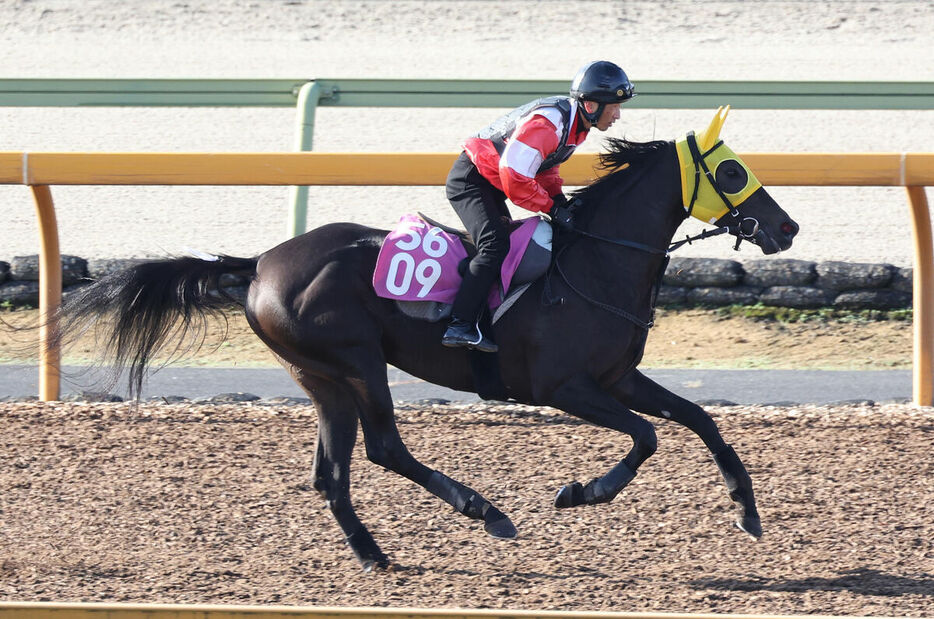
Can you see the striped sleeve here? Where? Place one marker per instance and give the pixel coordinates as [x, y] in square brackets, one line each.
[532, 141]
[551, 181]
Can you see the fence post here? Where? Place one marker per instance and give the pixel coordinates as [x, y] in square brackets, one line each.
[308, 96]
[923, 291]
[50, 293]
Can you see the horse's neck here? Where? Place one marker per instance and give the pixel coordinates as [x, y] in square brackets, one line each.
[648, 212]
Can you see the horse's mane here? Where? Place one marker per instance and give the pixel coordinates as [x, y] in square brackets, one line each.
[620, 152]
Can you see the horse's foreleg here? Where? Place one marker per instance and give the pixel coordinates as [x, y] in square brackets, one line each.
[583, 397]
[384, 446]
[646, 396]
[471, 504]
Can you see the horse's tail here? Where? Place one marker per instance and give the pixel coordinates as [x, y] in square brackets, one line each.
[147, 305]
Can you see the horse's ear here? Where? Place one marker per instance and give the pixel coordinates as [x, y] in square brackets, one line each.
[708, 138]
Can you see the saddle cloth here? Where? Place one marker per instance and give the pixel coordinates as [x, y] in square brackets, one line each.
[419, 261]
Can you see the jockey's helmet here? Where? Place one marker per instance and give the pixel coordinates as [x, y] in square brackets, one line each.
[603, 82]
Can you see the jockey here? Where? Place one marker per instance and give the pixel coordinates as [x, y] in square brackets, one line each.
[517, 157]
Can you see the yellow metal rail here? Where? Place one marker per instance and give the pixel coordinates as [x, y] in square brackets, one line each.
[51, 610]
[855, 169]
[915, 171]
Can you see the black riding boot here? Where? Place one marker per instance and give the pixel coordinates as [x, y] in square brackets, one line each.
[739, 484]
[464, 330]
[464, 334]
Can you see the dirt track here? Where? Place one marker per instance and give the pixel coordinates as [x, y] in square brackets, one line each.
[211, 505]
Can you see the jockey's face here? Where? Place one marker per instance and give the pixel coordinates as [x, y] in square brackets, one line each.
[609, 115]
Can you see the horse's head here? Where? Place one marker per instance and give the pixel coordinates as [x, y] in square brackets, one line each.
[718, 188]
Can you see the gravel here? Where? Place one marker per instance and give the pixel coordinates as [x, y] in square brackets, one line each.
[181, 503]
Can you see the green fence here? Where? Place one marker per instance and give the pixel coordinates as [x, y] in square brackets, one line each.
[306, 95]
[456, 93]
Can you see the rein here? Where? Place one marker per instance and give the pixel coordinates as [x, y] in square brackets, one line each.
[550, 299]
[705, 234]
[625, 243]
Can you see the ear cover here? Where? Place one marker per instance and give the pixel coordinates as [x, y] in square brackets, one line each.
[707, 138]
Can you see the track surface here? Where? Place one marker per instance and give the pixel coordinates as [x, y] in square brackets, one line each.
[210, 504]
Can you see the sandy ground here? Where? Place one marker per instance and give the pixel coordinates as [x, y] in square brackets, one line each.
[680, 39]
[212, 505]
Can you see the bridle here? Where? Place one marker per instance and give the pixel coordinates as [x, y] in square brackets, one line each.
[744, 228]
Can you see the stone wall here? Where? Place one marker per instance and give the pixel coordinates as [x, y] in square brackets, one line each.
[785, 283]
[687, 282]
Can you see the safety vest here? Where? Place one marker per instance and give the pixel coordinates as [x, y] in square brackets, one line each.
[503, 127]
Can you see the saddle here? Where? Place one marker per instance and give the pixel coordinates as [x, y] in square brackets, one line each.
[463, 235]
[421, 262]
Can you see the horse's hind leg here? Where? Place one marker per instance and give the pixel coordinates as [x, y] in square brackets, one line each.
[337, 433]
[384, 446]
[646, 396]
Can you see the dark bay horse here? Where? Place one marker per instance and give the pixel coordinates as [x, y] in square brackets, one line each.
[311, 300]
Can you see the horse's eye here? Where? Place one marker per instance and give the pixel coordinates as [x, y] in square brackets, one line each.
[731, 176]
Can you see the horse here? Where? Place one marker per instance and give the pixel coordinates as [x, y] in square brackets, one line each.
[572, 341]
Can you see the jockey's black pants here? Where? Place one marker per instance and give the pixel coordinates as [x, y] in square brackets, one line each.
[482, 208]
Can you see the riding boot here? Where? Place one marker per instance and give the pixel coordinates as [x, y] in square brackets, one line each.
[463, 334]
[464, 329]
[739, 484]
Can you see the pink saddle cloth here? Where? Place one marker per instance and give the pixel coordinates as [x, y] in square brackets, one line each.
[418, 262]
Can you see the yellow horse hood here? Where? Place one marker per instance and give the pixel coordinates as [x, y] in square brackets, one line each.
[699, 196]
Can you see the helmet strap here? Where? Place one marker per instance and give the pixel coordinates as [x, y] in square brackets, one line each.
[592, 117]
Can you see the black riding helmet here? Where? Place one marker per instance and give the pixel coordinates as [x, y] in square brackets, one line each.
[603, 82]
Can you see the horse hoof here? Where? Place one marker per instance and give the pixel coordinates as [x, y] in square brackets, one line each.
[751, 525]
[497, 525]
[570, 495]
[364, 547]
[369, 565]
[501, 529]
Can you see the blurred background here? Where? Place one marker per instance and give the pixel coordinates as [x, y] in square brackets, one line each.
[671, 40]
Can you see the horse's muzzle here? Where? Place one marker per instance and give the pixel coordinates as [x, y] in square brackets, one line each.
[774, 241]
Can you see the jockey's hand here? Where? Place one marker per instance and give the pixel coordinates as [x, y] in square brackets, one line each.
[562, 212]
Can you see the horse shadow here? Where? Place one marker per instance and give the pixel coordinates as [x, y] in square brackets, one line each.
[861, 581]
